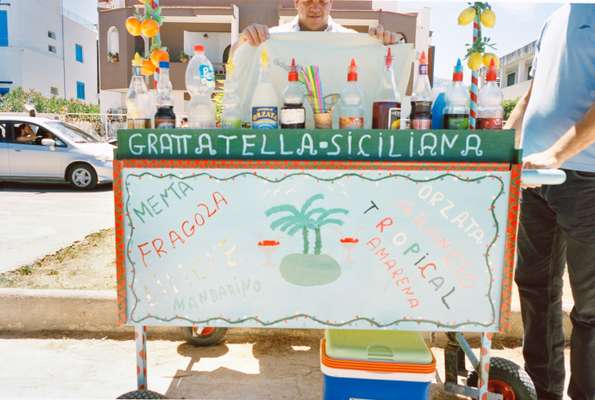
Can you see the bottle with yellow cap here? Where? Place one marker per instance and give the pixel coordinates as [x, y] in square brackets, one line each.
[139, 101]
[264, 108]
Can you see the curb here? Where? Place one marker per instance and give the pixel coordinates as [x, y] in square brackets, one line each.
[33, 311]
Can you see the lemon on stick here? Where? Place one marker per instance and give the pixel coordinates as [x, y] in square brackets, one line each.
[488, 18]
[466, 16]
[474, 61]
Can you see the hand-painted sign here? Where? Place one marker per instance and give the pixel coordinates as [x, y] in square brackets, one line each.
[300, 245]
[365, 145]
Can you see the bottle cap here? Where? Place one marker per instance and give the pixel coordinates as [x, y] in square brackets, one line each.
[293, 74]
[352, 74]
[492, 74]
[457, 75]
[137, 61]
[389, 58]
[163, 64]
[423, 60]
[199, 48]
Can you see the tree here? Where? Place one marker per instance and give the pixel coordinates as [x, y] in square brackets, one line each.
[509, 105]
[324, 219]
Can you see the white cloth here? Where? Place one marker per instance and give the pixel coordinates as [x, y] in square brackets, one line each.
[332, 53]
[294, 26]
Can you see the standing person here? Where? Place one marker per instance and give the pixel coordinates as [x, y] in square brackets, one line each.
[557, 223]
[314, 16]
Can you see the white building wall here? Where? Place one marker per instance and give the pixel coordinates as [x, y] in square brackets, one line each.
[28, 62]
[75, 33]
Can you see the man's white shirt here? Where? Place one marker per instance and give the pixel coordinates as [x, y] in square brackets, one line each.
[294, 26]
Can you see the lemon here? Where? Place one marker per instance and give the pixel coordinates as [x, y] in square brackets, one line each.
[474, 61]
[466, 16]
[488, 18]
[488, 57]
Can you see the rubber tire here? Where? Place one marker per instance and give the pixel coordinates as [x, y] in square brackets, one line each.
[509, 372]
[202, 341]
[90, 169]
[142, 394]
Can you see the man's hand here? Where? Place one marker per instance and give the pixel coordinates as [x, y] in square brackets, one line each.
[386, 37]
[544, 160]
[255, 34]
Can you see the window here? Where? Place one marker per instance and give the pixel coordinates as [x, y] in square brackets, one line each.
[52, 35]
[80, 90]
[52, 49]
[78, 50]
[529, 69]
[511, 79]
[113, 45]
[54, 91]
[3, 28]
[25, 133]
[3, 132]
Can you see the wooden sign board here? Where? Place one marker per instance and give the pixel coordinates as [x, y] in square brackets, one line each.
[315, 244]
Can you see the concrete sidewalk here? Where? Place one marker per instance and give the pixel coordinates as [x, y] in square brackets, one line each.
[27, 311]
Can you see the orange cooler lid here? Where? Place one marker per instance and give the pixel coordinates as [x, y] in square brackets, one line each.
[377, 346]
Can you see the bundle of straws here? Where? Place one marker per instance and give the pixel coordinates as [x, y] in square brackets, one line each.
[310, 77]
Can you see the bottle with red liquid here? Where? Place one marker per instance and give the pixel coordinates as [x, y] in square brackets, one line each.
[456, 113]
[293, 113]
[386, 110]
[490, 110]
[351, 115]
[421, 101]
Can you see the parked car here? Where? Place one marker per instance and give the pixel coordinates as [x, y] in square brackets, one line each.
[39, 149]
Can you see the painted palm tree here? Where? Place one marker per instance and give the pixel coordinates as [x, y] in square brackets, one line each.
[307, 269]
[296, 220]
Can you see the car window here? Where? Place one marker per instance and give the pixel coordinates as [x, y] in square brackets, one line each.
[73, 133]
[3, 132]
[32, 134]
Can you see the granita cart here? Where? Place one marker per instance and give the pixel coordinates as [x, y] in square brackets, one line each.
[323, 229]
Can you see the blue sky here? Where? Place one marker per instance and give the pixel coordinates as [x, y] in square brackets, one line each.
[518, 23]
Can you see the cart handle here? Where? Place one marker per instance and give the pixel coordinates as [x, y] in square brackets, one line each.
[536, 177]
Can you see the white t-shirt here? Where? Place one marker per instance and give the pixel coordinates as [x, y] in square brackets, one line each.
[294, 26]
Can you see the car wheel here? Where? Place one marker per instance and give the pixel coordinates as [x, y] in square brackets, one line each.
[206, 336]
[82, 176]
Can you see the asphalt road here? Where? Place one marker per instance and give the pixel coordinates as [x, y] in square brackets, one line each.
[39, 219]
[275, 365]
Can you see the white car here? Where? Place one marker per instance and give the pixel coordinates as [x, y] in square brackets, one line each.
[39, 149]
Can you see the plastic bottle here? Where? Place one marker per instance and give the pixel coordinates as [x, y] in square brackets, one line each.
[421, 101]
[293, 113]
[139, 102]
[490, 110]
[165, 117]
[200, 83]
[456, 113]
[351, 114]
[264, 108]
[231, 117]
[386, 110]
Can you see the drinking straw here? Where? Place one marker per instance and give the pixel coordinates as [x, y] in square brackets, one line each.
[318, 88]
[313, 85]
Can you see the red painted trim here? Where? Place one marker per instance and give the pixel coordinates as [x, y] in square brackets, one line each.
[510, 246]
[120, 242]
[329, 165]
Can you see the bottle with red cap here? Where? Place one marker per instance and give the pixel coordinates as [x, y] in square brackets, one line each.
[456, 112]
[490, 110]
[200, 83]
[293, 113]
[351, 114]
[421, 101]
[386, 110]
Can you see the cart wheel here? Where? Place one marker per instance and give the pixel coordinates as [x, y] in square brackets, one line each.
[507, 379]
[204, 336]
[142, 394]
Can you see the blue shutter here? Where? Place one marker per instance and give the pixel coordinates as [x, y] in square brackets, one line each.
[3, 29]
[78, 53]
[80, 90]
[4, 90]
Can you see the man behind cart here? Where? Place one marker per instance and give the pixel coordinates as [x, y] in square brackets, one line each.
[557, 226]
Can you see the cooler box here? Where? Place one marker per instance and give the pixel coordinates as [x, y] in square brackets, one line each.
[375, 365]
